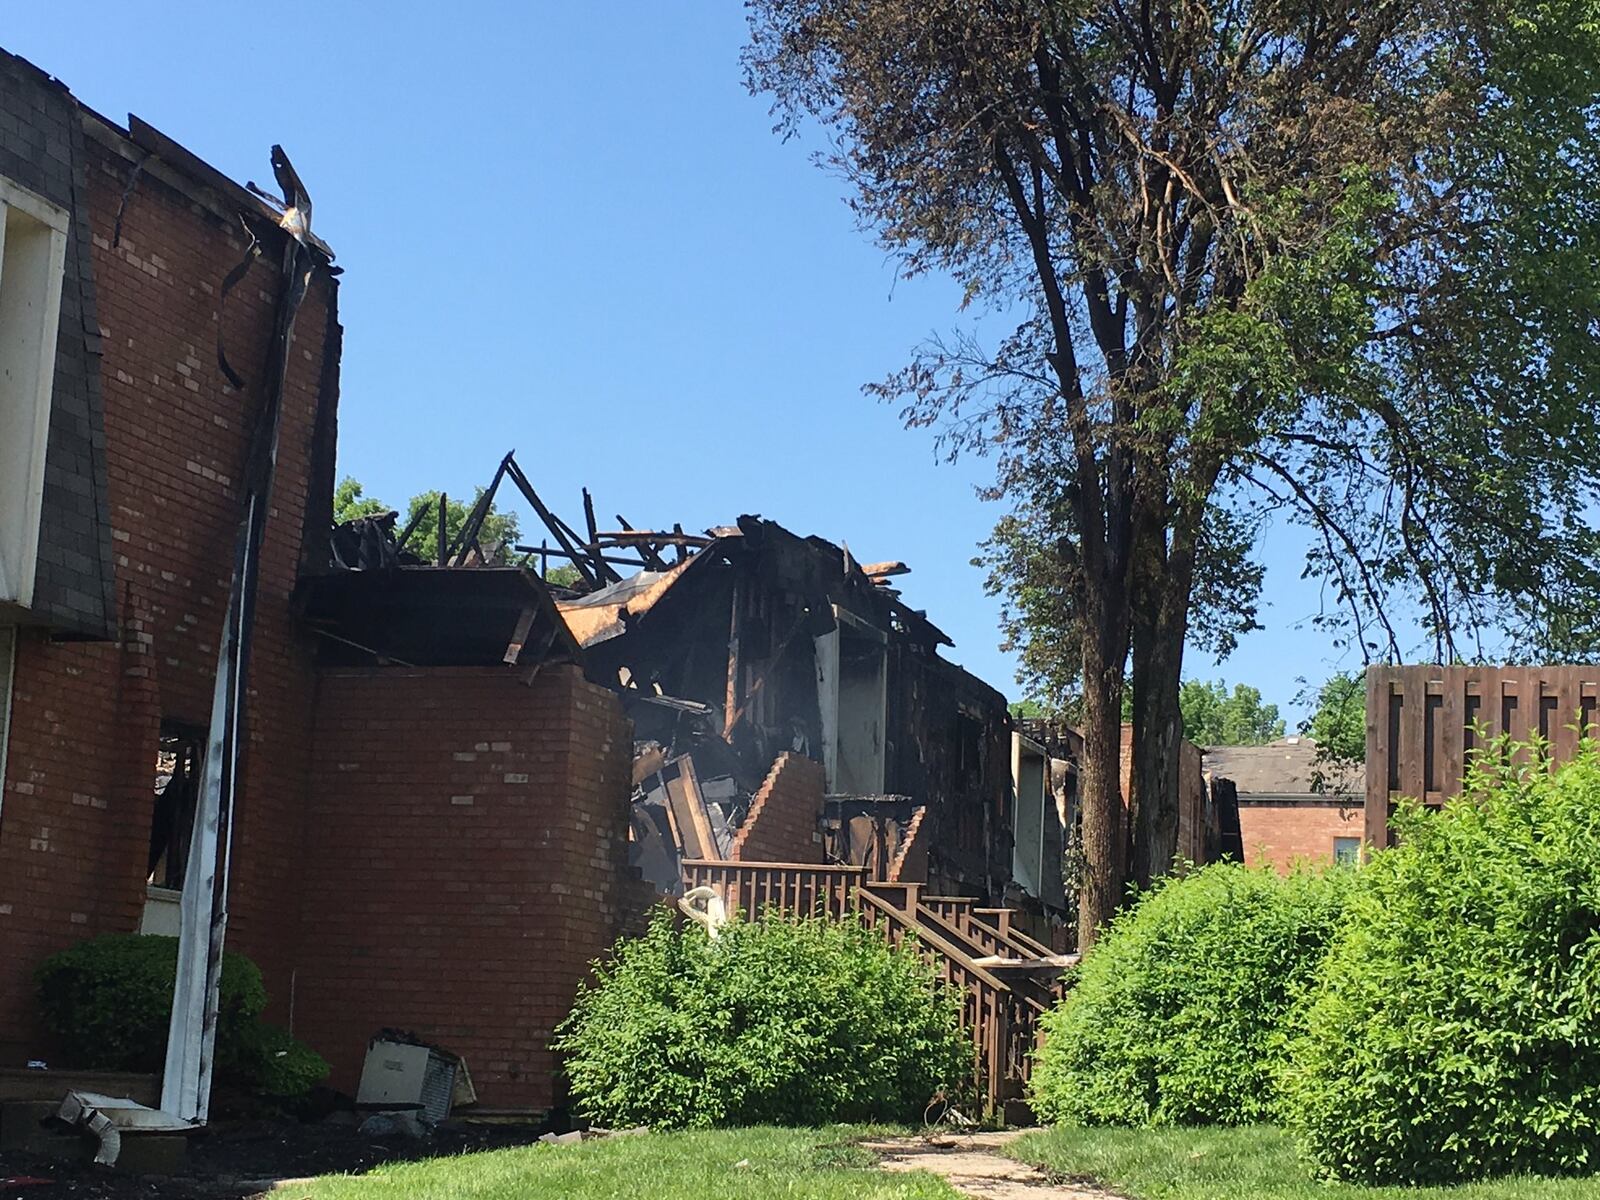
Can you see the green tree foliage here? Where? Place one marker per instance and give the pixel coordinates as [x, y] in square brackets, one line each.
[109, 1000]
[501, 528]
[774, 1022]
[1177, 1014]
[1331, 261]
[350, 502]
[1339, 724]
[1214, 716]
[1455, 1032]
[498, 527]
[565, 575]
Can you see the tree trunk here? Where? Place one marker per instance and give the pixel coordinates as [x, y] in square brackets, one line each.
[1157, 736]
[1163, 578]
[1105, 649]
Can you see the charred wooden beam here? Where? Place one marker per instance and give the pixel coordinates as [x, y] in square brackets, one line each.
[470, 528]
[519, 636]
[554, 524]
[647, 550]
[588, 516]
[730, 707]
[443, 510]
[674, 538]
[547, 552]
[411, 527]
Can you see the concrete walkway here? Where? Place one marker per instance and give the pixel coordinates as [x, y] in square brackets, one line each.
[974, 1166]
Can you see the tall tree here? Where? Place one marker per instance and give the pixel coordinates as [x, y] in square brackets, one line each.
[1339, 723]
[1332, 258]
[1214, 716]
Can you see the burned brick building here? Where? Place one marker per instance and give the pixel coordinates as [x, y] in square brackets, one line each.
[425, 818]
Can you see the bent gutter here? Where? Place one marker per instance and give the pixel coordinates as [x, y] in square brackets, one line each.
[191, 1035]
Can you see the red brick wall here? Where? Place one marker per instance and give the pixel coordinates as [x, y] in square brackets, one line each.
[78, 788]
[785, 819]
[466, 860]
[911, 862]
[1281, 834]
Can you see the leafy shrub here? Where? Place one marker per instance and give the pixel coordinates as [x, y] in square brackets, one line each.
[109, 1001]
[1455, 1032]
[1177, 1012]
[270, 1060]
[775, 1022]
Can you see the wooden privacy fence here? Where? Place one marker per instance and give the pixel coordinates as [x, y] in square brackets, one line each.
[1424, 722]
[1006, 980]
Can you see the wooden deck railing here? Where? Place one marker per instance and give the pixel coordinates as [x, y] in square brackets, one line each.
[792, 889]
[1006, 980]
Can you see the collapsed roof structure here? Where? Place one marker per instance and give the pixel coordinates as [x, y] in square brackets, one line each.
[739, 645]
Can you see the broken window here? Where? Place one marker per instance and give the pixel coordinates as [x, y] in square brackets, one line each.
[177, 788]
[33, 244]
[853, 695]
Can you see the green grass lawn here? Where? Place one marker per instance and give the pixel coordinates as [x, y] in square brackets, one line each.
[1237, 1164]
[752, 1164]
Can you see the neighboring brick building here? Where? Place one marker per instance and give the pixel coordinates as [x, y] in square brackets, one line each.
[116, 643]
[1291, 807]
[439, 845]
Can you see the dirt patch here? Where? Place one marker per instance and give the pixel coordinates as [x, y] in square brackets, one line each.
[974, 1166]
[235, 1161]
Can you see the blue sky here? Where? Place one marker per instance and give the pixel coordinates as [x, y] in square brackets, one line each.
[568, 230]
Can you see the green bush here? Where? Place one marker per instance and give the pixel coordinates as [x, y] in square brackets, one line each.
[109, 1001]
[775, 1022]
[1177, 1013]
[271, 1061]
[1455, 1032]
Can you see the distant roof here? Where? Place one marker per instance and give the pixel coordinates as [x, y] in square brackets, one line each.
[1285, 767]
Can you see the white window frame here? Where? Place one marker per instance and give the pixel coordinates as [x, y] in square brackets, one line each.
[29, 323]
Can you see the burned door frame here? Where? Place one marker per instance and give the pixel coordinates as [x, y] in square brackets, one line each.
[831, 697]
